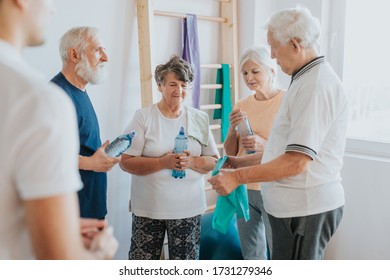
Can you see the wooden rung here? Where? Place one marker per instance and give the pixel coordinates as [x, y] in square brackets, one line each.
[213, 66]
[215, 126]
[180, 15]
[210, 86]
[210, 106]
[219, 146]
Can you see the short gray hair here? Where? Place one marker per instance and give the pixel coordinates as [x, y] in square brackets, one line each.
[296, 23]
[76, 38]
[176, 65]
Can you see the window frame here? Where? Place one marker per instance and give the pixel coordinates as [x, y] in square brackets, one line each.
[333, 30]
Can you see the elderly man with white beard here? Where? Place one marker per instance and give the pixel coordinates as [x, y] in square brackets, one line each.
[84, 58]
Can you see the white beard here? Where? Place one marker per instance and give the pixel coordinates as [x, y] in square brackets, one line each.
[85, 71]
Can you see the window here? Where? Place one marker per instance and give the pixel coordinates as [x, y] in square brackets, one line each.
[366, 75]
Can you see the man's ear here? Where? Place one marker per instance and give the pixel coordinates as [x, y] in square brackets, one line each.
[73, 55]
[295, 44]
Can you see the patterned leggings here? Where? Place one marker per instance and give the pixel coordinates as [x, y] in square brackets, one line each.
[148, 237]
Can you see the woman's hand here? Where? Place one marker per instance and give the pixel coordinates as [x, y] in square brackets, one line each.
[201, 164]
[186, 160]
[231, 162]
[171, 161]
[254, 143]
[236, 116]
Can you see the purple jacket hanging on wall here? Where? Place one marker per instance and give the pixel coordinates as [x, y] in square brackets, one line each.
[191, 54]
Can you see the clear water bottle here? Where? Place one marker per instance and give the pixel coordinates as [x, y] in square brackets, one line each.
[120, 144]
[181, 144]
[244, 129]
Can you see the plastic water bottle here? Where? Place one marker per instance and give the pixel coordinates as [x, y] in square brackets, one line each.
[120, 144]
[181, 144]
[244, 129]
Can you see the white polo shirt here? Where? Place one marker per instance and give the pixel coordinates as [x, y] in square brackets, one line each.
[312, 120]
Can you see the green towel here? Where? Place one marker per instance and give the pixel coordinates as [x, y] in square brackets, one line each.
[223, 97]
[198, 125]
[234, 203]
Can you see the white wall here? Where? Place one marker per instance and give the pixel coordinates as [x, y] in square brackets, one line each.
[363, 231]
[252, 16]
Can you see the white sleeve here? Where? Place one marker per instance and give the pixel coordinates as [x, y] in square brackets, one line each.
[311, 117]
[46, 161]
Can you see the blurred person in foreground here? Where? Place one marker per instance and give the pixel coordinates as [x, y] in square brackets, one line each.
[39, 211]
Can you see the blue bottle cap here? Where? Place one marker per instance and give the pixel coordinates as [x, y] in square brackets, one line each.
[133, 133]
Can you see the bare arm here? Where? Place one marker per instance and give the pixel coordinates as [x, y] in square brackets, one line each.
[287, 165]
[202, 164]
[244, 161]
[54, 226]
[148, 165]
[231, 142]
[99, 161]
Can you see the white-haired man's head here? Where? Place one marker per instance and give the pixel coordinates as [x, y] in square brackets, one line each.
[296, 23]
[86, 43]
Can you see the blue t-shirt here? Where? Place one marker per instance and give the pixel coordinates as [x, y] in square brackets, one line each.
[93, 196]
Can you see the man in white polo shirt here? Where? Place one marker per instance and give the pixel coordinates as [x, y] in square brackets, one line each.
[304, 154]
